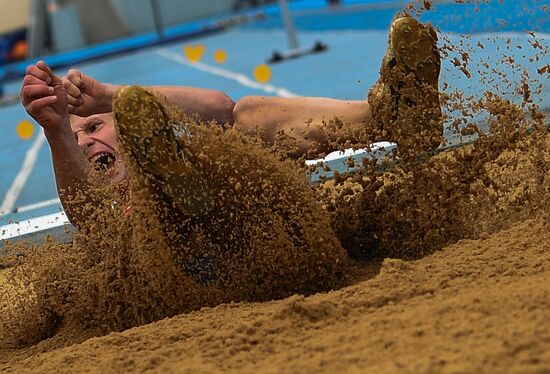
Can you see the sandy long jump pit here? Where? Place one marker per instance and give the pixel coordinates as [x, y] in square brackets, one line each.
[437, 263]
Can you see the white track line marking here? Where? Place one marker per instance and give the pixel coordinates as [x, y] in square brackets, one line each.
[42, 204]
[20, 180]
[240, 78]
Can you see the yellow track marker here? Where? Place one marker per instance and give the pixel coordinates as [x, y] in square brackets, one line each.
[194, 52]
[220, 56]
[262, 73]
[25, 130]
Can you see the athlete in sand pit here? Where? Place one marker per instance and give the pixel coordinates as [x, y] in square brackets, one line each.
[403, 106]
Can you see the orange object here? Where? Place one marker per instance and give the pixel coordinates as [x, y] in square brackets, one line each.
[19, 50]
[25, 130]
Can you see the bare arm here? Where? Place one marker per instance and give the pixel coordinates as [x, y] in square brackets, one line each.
[88, 96]
[45, 99]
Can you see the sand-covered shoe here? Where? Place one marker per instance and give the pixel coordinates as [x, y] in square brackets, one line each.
[145, 131]
[155, 147]
[405, 100]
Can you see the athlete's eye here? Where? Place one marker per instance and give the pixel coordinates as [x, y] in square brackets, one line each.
[92, 127]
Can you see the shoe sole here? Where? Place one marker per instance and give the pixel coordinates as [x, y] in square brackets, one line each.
[405, 100]
[155, 149]
[145, 132]
[414, 46]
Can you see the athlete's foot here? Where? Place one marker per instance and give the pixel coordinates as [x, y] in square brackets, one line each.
[145, 132]
[153, 143]
[405, 100]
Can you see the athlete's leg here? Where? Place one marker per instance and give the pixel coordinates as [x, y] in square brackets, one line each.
[403, 105]
[303, 118]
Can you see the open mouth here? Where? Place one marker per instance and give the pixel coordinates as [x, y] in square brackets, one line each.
[103, 161]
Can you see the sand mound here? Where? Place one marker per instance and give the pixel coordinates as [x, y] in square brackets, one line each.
[476, 304]
[466, 305]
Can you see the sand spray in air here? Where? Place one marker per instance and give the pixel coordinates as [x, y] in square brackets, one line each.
[265, 237]
[265, 234]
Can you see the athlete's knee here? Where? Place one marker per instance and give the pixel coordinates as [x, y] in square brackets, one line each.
[245, 107]
[222, 107]
[247, 113]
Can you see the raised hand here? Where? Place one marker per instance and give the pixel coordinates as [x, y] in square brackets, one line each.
[87, 96]
[44, 97]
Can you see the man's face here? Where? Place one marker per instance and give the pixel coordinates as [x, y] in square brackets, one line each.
[97, 138]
